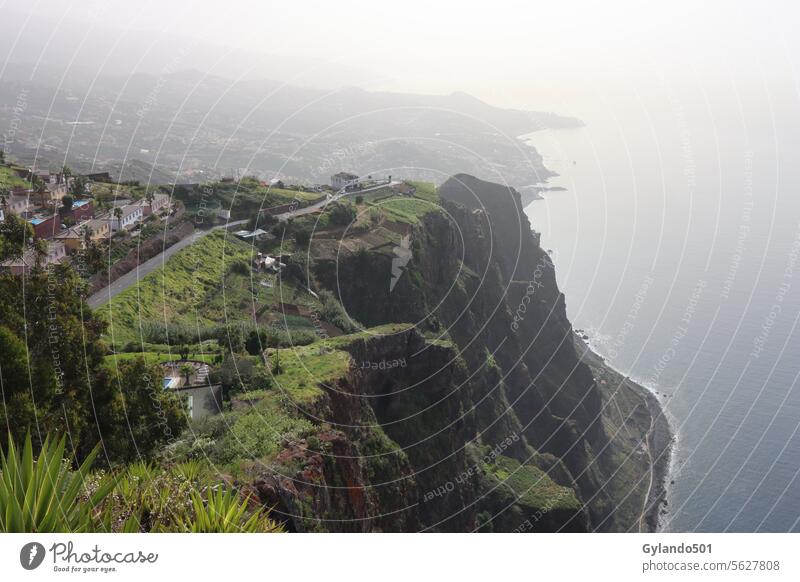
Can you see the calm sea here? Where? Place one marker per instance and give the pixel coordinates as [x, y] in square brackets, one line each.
[677, 244]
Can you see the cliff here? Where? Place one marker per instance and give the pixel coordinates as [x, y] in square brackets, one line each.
[465, 404]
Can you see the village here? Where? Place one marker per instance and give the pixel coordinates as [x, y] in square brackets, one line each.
[71, 213]
[73, 217]
[64, 215]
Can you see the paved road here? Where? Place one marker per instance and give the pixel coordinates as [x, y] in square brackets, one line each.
[128, 279]
[107, 293]
[338, 196]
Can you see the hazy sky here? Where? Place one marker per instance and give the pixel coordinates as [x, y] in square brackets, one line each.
[517, 53]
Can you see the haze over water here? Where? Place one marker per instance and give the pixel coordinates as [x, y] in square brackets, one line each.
[677, 244]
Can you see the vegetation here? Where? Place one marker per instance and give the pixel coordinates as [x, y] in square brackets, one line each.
[15, 234]
[245, 197]
[44, 494]
[180, 291]
[529, 485]
[404, 208]
[9, 177]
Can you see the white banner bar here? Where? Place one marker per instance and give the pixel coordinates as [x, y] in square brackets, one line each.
[376, 557]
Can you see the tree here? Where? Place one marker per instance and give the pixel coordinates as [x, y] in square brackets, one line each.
[78, 186]
[40, 189]
[255, 342]
[277, 367]
[87, 233]
[14, 236]
[67, 202]
[66, 174]
[186, 370]
[146, 416]
[2, 156]
[342, 214]
[302, 237]
[41, 248]
[184, 352]
[54, 378]
[56, 327]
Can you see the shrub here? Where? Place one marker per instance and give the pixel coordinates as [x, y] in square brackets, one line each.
[240, 267]
[44, 495]
[333, 312]
[302, 237]
[342, 214]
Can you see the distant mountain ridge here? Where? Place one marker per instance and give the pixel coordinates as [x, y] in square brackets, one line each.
[191, 126]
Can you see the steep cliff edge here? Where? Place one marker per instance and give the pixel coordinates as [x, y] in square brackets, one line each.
[479, 277]
[395, 447]
[465, 403]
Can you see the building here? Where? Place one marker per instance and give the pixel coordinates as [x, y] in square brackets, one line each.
[81, 210]
[344, 180]
[21, 205]
[405, 189]
[45, 226]
[56, 192]
[159, 203]
[99, 227]
[72, 239]
[189, 379]
[130, 215]
[267, 263]
[56, 253]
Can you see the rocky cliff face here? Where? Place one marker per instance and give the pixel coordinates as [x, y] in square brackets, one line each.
[492, 422]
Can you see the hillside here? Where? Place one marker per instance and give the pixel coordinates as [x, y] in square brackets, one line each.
[455, 400]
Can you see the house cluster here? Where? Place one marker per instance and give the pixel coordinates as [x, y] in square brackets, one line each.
[43, 208]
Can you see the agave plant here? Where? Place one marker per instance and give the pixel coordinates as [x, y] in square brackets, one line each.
[224, 512]
[190, 470]
[43, 495]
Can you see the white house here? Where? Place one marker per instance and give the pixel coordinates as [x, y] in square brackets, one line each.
[19, 205]
[131, 214]
[344, 180]
[160, 201]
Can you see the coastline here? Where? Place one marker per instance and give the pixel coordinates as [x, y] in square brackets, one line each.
[658, 435]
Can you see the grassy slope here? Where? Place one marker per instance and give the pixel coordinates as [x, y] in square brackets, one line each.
[531, 485]
[186, 290]
[252, 193]
[406, 209]
[263, 421]
[9, 179]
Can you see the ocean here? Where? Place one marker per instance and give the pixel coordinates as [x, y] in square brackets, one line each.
[677, 244]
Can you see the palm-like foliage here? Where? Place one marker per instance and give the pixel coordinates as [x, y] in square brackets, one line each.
[225, 512]
[43, 495]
